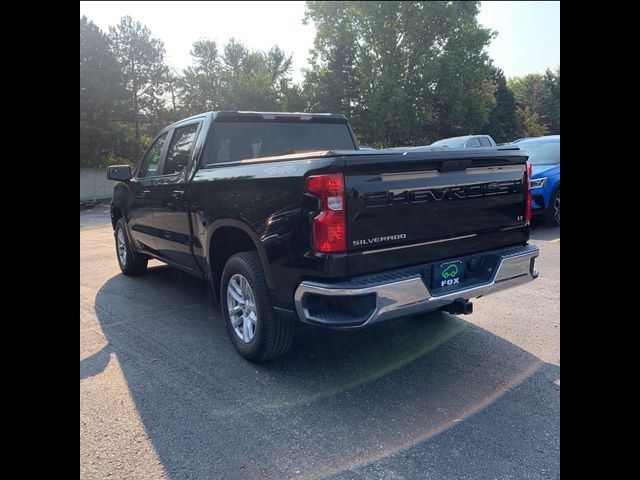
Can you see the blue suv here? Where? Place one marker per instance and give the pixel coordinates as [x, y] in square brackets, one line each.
[544, 156]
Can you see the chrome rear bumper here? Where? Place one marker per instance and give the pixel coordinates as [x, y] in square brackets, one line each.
[407, 294]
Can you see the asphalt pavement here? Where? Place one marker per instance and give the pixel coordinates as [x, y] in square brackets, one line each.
[163, 393]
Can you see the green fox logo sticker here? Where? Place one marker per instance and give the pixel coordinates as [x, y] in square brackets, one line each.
[451, 271]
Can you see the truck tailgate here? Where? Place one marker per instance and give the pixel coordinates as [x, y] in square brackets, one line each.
[414, 207]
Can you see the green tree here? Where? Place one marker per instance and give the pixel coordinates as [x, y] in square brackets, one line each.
[291, 97]
[551, 102]
[141, 59]
[540, 95]
[528, 91]
[100, 94]
[385, 112]
[278, 64]
[502, 124]
[404, 72]
[331, 82]
[247, 79]
[201, 83]
[464, 88]
[238, 79]
[530, 124]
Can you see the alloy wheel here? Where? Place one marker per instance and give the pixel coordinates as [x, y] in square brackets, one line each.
[122, 247]
[556, 208]
[241, 305]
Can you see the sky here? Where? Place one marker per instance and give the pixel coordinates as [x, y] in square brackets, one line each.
[528, 38]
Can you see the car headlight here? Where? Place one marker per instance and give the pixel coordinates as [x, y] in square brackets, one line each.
[538, 182]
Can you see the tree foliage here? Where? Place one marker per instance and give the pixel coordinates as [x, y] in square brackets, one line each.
[141, 60]
[404, 73]
[100, 98]
[538, 101]
[530, 124]
[551, 101]
[237, 79]
[201, 82]
[502, 123]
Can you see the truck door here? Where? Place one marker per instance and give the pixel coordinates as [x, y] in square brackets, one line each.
[171, 216]
[143, 200]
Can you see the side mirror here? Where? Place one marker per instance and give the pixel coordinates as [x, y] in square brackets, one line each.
[120, 173]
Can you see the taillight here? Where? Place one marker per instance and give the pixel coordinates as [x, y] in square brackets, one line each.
[330, 226]
[527, 211]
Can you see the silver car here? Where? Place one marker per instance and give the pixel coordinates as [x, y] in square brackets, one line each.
[468, 141]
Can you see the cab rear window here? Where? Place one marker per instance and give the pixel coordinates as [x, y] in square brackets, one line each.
[235, 141]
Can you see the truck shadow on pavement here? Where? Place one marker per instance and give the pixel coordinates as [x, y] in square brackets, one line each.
[430, 396]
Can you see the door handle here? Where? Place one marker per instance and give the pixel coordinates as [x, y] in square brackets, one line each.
[146, 191]
[177, 193]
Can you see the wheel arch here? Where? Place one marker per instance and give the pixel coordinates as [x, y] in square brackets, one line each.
[229, 236]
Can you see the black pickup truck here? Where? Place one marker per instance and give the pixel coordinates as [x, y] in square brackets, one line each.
[289, 221]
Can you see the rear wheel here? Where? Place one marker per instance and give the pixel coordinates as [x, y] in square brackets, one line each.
[554, 209]
[130, 263]
[255, 329]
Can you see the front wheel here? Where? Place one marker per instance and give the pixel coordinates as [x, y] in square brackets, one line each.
[255, 329]
[554, 209]
[130, 263]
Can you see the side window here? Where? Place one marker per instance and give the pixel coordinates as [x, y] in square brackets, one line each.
[473, 142]
[180, 148]
[151, 161]
[484, 141]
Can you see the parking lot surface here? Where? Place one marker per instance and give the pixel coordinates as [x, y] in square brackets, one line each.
[163, 394]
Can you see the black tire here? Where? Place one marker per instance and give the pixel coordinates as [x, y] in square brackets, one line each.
[553, 215]
[134, 263]
[273, 334]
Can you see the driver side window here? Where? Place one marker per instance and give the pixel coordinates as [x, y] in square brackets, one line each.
[151, 161]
